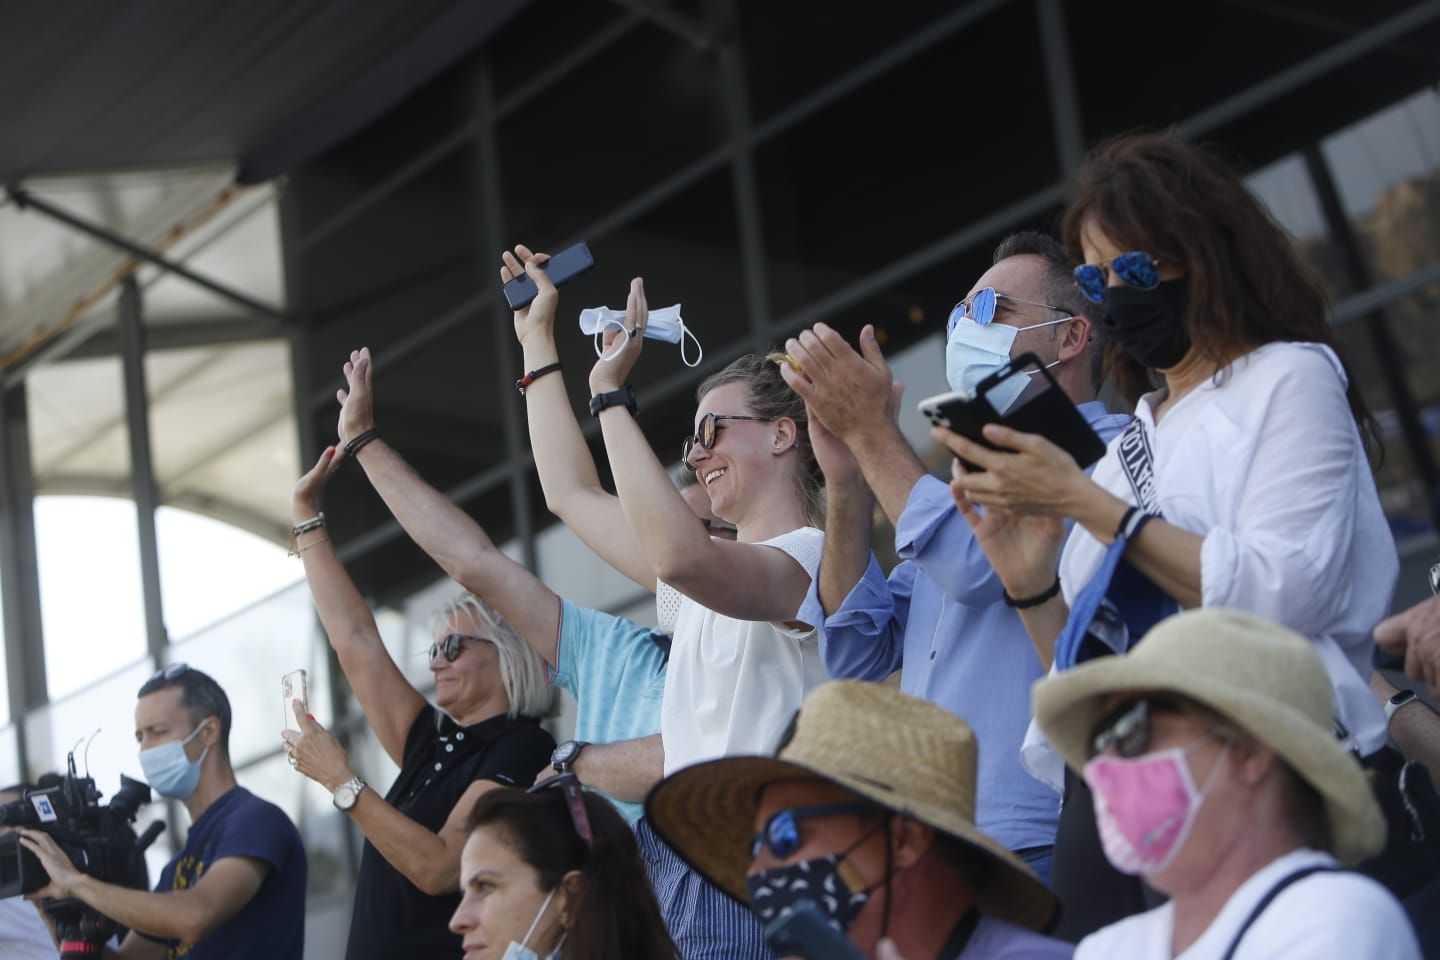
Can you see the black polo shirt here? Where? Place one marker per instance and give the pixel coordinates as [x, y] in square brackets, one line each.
[392, 917]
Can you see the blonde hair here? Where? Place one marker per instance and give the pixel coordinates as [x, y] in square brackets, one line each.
[522, 672]
[770, 396]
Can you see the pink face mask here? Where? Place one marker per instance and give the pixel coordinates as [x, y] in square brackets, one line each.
[1145, 807]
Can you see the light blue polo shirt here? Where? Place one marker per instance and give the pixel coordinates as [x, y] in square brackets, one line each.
[616, 673]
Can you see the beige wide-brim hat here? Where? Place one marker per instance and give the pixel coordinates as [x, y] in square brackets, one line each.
[1266, 679]
[904, 754]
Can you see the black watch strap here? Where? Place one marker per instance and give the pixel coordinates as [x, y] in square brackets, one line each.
[615, 398]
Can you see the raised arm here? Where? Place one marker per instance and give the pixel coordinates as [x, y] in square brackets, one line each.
[741, 580]
[567, 471]
[447, 533]
[389, 701]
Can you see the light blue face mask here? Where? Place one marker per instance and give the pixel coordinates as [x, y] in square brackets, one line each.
[974, 351]
[169, 772]
[519, 951]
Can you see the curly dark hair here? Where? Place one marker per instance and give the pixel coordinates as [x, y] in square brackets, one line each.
[1184, 205]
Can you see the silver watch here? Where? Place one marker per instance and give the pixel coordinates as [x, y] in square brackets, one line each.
[347, 793]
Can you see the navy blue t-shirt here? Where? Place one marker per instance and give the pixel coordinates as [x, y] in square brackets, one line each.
[272, 924]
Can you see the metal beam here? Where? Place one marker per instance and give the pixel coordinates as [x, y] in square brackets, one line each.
[1060, 77]
[491, 214]
[28, 201]
[183, 335]
[682, 25]
[19, 569]
[142, 471]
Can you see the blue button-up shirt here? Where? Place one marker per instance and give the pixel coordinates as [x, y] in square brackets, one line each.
[941, 616]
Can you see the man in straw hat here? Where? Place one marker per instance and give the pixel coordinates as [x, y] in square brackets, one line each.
[868, 811]
[1211, 752]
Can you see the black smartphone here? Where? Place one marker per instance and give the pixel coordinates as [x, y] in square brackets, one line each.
[1040, 407]
[804, 932]
[565, 265]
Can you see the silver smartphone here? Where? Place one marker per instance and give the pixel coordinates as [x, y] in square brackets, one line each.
[295, 685]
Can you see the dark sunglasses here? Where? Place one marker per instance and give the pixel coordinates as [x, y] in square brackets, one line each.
[709, 429]
[1126, 729]
[450, 646]
[713, 525]
[1136, 269]
[569, 784]
[781, 835]
[980, 307]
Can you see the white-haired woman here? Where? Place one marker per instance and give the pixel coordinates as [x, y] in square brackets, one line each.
[482, 732]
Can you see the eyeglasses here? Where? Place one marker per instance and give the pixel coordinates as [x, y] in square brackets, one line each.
[782, 831]
[709, 429]
[1127, 727]
[170, 671]
[1136, 269]
[980, 307]
[569, 784]
[450, 646]
[1435, 579]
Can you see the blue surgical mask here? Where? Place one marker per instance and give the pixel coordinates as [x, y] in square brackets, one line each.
[520, 951]
[169, 772]
[975, 351]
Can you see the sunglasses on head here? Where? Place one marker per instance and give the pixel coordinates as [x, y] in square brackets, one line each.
[1135, 269]
[980, 307]
[170, 671]
[1126, 729]
[709, 429]
[569, 785]
[450, 646]
[781, 835]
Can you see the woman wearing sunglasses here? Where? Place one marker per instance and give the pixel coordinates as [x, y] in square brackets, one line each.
[740, 662]
[554, 872]
[482, 732]
[1244, 479]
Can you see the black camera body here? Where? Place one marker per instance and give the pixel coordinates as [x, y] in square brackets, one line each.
[99, 840]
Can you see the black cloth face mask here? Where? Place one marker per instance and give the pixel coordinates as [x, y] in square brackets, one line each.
[1149, 324]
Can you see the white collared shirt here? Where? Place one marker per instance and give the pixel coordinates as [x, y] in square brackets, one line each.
[1266, 463]
[732, 686]
[1320, 917]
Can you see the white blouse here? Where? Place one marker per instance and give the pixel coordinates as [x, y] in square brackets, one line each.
[732, 686]
[1266, 463]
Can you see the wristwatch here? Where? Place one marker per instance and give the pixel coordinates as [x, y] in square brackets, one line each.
[603, 401]
[347, 793]
[1396, 702]
[565, 755]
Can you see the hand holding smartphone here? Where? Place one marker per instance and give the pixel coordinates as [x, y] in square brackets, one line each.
[565, 265]
[295, 685]
[1040, 407]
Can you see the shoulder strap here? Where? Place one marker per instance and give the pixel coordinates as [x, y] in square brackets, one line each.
[1266, 900]
[1139, 463]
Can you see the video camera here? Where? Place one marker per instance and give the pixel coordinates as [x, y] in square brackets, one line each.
[99, 840]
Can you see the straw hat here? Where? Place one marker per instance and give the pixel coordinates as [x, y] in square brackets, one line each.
[904, 754]
[1265, 678]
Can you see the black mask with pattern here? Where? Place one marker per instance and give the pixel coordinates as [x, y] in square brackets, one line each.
[776, 892]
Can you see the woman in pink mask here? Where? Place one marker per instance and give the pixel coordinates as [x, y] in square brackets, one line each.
[1211, 753]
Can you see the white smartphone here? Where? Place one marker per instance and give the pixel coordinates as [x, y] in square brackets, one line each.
[295, 685]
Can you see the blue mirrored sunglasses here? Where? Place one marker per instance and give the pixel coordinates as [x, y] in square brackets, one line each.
[1135, 269]
[782, 831]
[980, 307]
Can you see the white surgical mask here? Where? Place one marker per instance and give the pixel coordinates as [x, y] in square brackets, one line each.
[973, 352]
[664, 324]
[520, 951]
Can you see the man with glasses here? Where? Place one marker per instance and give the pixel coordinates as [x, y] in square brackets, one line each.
[237, 887]
[865, 815]
[942, 613]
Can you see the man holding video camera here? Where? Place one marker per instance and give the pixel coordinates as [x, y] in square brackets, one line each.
[237, 889]
[942, 612]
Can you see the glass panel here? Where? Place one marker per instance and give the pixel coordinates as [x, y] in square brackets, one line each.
[10, 771]
[91, 602]
[1387, 171]
[1415, 326]
[838, 190]
[248, 653]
